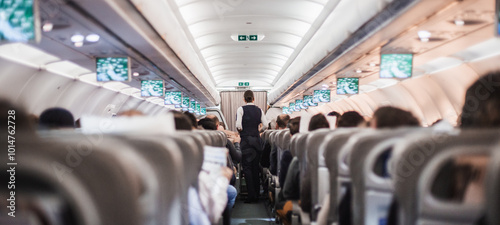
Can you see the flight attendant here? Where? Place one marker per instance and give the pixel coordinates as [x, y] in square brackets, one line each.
[248, 119]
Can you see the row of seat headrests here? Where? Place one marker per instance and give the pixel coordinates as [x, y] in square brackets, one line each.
[408, 161]
[74, 178]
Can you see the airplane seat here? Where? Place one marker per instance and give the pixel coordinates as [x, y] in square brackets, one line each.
[67, 180]
[372, 188]
[328, 160]
[491, 193]
[421, 168]
[206, 137]
[309, 179]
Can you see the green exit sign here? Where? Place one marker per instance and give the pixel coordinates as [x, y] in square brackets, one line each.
[253, 37]
[242, 37]
[242, 84]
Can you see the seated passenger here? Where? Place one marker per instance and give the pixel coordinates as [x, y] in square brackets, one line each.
[392, 117]
[350, 119]
[207, 205]
[272, 156]
[192, 119]
[318, 121]
[56, 118]
[210, 124]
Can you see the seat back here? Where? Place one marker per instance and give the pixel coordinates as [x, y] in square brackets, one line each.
[418, 160]
[373, 191]
[328, 168]
[492, 195]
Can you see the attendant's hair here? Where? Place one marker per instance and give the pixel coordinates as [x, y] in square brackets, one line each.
[248, 95]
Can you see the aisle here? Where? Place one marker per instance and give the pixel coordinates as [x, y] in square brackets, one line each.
[253, 214]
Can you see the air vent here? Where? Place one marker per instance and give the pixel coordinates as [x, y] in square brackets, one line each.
[242, 88]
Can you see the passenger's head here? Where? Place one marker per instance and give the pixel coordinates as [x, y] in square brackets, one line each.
[294, 125]
[131, 113]
[318, 121]
[207, 124]
[334, 113]
[282, 121]
[215, 119]
[391, 117]
[482, 103]
[350, 119]
[192, 119]
[181, 121]
[55, 118]
[248, 96]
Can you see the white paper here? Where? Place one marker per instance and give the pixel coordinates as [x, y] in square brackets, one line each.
[214, 158]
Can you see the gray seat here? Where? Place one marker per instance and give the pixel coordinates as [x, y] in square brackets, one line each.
[492, 194]
[47, 171]
[328, 168]
[417, 161]
[372, 193]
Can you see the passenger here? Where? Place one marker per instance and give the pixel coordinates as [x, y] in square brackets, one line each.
[350, 119]
[56, 118]
[289, 179]
[233, 140]
[210, 124]
[248, 120]
[391, 117]
[181, 121]
[206, 205]
[318, 121]
[272, 156]
[482, 101]
[192, 120]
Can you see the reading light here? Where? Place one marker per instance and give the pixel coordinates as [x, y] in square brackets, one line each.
[77, 38]
[359, 71]
[47, 27]
[135, 74]
[373, 64]
[78, 44]
[459, 22]
[424, 35]
[92, 38]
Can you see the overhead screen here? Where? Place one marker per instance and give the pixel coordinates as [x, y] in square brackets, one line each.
[308, 101]
[396, 65]
[152, 88]
[321, 96]
[291, 107]
[299, 104]
[173, 98]
[203, 111]
[185, 103]
[19, 21]
[285, 110]
[113, 69]
[347, 86]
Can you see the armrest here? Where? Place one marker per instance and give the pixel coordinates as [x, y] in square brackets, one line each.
[299, 217]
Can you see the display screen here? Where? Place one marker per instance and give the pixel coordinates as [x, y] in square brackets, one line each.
[291, 107]
[174, 98]
[185, 102]
[197, 109]
[203, 111]
[347, 86]
[321, 96]
[18, 21]
[396, 65]
[299, 104]
[308, 101]
[285, 110]
[152, 88]
[113, 69]
[192, 105]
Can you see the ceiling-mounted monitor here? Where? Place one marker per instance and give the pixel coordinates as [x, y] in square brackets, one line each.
[308, 101]
[203, 111]
[113, 69]
[197, 108]
[19, 21]
[299, 103]
[152, 88]
[321, 96]
[185, 103]
[347, 86]
[291, 107]
[396, 65]
[192, 105]
[174, 98]
[285, 110]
